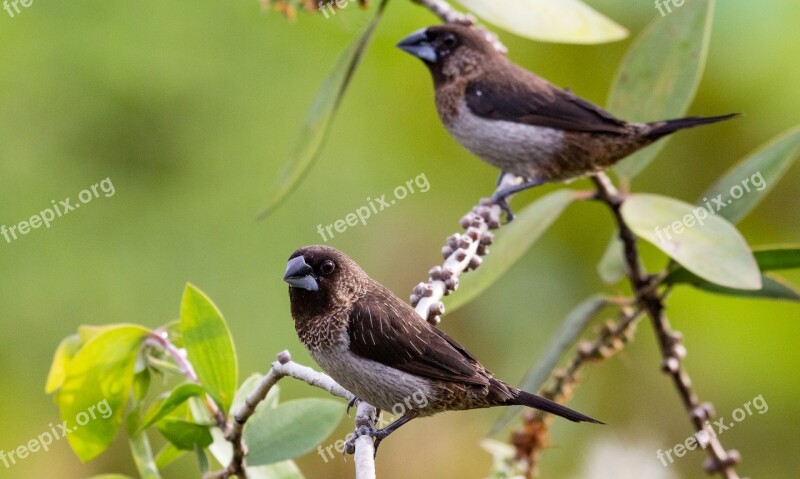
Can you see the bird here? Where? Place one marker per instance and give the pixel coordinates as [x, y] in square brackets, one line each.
[377, 347]
[519, 122]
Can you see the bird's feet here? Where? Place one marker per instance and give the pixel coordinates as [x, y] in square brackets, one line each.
[500, 200]
[370, 430]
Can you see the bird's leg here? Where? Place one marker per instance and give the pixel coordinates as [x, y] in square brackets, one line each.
[378, 434]
[351, 403]
[499, 197]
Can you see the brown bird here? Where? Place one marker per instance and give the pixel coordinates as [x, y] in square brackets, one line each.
[519, 122]
[377, 347]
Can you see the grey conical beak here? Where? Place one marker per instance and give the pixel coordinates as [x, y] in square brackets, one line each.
[418, 45]
[299, 274]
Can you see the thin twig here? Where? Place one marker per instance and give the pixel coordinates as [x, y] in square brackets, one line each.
[670, 342]
[285, 367]
[612, 337]
[462, 253]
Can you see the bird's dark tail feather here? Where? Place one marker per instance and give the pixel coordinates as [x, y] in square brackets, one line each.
[546, 405]
[663, 128]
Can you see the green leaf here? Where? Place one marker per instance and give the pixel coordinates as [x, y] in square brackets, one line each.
[185, 435]
[769, 258]
[143, 456]
[561, 21]
[167, 455]
[706, 245]
[612, 267]
[512, 241]
[278, 470]
[209, 345]
[290, 430]
[773, 287]
[659, 76]
[753, 178]
[66, 350]
[777, 257]
[316, 126]
[98, 382]
[167, 404]
[572, 327]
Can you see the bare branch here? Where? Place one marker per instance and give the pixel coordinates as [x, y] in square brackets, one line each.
[285, 367]
[670, 342]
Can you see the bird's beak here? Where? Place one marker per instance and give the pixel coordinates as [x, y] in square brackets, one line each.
[418, 45]
[298, 274]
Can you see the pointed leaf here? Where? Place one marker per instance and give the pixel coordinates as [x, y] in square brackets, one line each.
[572, 327]
[290, 430]
[316, 126]
[185, 435]
[167, 404]
[209, 345]
[773, 287]
[659, 76]
[98, 382]
[745, 185]
[768, 258]
[706, 245]
[562, 21]
[512, 241]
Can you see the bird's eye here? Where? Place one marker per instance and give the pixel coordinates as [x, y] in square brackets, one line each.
[327, 267]
[449, 40]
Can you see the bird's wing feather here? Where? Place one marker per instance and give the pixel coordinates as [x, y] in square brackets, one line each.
[526, 98]
[407, 343]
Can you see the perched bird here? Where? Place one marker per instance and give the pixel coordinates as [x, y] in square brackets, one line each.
[377, 347]
[519, 122]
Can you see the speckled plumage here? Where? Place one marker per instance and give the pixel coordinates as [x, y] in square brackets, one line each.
[519, 122]
[377, 347]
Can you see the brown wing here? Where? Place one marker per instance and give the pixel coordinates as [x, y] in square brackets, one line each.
[522, 97]
[385, 329]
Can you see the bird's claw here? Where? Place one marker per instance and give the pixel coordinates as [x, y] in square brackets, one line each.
[500, 200]
[352, 402]
[350, 445]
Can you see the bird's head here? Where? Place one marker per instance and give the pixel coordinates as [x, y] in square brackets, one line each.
[322, 278]
[450, 50]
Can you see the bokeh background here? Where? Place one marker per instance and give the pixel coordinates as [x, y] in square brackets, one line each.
[190, 109]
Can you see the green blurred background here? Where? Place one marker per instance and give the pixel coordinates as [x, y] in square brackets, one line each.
[190, 108]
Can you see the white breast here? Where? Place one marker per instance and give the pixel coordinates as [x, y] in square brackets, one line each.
[512, 147]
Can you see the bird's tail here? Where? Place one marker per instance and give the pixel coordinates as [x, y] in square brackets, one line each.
[523, 398]
[662, 128]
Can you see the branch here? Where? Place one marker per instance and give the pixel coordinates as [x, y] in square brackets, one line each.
[670, 342]
[448, 14]
[462, 253]
[283, 367]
